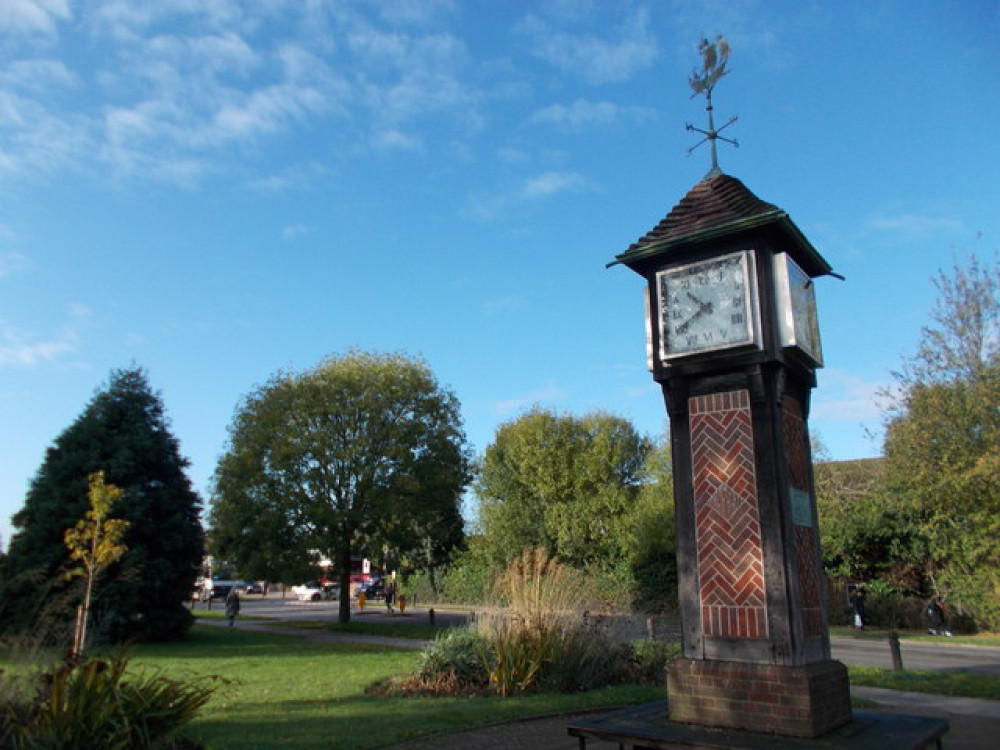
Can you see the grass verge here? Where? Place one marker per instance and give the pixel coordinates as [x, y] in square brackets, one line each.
[415, 631]
[963, 684]
[289, 693]
[876, 634]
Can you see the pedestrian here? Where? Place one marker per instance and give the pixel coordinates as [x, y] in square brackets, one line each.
[232, 605]
[390, 596]
[937, 616]
[857, 596]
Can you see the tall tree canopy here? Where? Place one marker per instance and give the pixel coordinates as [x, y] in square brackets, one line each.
[942, 445]
[123, 432]
[363, 452]
[564, 483]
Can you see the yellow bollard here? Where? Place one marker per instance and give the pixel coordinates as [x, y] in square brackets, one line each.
[402, 603]
[361, 600]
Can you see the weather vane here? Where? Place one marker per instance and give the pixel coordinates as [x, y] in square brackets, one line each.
[714, 56]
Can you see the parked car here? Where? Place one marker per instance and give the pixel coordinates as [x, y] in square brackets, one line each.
[373, 589]
[314, 591]
[255, 588]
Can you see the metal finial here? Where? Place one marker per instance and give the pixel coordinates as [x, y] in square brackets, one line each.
[714, 56]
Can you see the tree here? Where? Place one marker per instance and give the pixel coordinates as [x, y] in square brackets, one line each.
[360, 453]
[95, 543]
[942, 445]
[123, 431]
[653, 548]
[564, 483]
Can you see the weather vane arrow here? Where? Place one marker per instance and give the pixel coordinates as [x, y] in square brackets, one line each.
[714, 56]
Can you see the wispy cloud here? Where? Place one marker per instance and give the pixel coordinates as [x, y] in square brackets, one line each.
[515, 405]
[578, 115]
[12, 264]
[294, 231]
[594, 56]
[551, 183]
[180, 91]
[845, 397]
[913, 225]
[19, 348]
[537, 187]
[503, 304]
[32, 17]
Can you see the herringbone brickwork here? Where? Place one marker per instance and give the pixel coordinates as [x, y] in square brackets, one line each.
[727, 517]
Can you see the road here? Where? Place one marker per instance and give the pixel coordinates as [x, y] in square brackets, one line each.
[945, 654]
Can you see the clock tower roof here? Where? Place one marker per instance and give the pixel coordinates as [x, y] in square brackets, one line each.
[717, 207]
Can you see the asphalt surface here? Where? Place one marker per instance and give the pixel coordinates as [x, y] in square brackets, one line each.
[975, 724]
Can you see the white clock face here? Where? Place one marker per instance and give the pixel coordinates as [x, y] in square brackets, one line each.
[707, 305]
[797, 318]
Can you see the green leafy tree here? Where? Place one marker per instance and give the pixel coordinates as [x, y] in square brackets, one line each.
[123, 432]
[95, 543]
[361, 453]
[563, 483]
[942, 445]
[653, 550]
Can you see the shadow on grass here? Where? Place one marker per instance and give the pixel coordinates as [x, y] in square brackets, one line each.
[362, 723]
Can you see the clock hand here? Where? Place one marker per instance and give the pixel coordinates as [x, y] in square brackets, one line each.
[703, 308]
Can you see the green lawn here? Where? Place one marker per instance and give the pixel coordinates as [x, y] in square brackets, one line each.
[980, 639]
[287, 693]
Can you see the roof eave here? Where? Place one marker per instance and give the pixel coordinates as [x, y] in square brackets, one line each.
[818, 265]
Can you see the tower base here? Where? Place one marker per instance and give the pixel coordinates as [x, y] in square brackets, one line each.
[805, 701]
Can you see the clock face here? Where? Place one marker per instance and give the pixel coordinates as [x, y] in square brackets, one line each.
[707, 305]
[797, 318]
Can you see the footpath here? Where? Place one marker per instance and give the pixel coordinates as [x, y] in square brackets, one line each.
[975, 723]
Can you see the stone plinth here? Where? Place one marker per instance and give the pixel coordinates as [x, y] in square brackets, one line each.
[803, 701]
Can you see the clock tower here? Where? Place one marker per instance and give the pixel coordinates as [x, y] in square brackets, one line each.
[733, 341]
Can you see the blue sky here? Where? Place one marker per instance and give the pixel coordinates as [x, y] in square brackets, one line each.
[218, 189]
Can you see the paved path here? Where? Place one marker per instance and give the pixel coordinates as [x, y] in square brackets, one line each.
[975, 724]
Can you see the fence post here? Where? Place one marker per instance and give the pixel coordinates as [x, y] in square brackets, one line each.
[897, 656]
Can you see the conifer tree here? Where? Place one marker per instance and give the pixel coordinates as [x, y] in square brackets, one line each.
[123, 432]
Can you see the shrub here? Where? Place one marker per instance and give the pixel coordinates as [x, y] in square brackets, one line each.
[650, 659]
[461, 653]
[95, 703]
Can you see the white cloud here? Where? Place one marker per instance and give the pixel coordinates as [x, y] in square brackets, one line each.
[184, 89]
[12, 263]
[580, 114]
[846, 397]
[395, 140]
[503, 304]
[19, 349]
[292, 231]
[32, 17]
[518, 404]
[911, 225]
[551, 183]
[597, 58]
[486, 206]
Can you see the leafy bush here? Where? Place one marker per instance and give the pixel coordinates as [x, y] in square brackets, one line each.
[649, 661]
[95, 703]
[461, 653]
[539, 637]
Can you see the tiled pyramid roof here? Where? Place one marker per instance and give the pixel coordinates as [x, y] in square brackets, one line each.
[717, 201]
[719, 206]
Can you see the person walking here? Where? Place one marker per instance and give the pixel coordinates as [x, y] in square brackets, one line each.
[937, 616]
[232, 605]
[857, 597]
[390, 596]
